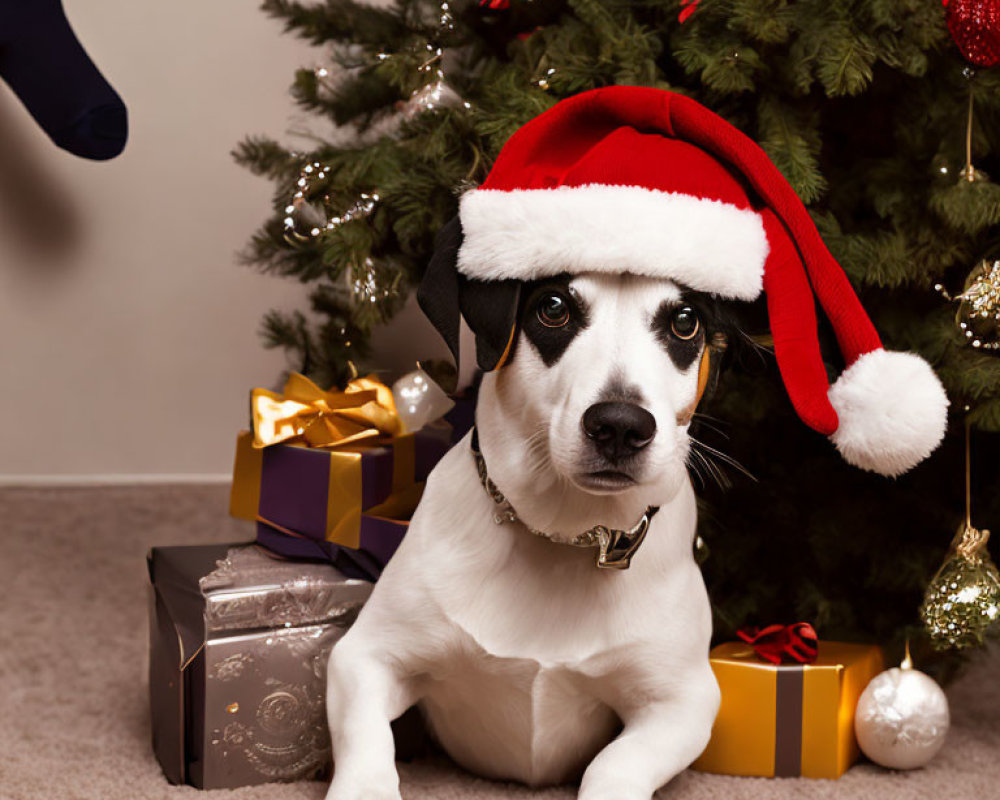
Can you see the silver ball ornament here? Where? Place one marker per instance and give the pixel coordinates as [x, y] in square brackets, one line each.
[902, 718]
[419, 400]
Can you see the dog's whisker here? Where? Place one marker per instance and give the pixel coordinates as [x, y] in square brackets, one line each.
[728, 459]
[703, 415]
[703, 420]
[724, 457]
[714, 471]
[538, 461]
[693, 465]
[711, 469]
[758, 349]
[538, 437]
[697, 463]
[717, 475]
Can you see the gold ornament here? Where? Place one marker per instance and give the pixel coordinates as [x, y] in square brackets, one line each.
[979, 308]
[963, 598]
[978, 315]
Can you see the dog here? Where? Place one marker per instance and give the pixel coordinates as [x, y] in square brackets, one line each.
[528, 662]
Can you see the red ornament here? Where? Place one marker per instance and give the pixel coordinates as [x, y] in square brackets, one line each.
[495, 5]
[688, 7]
[975, 27]
[777, 643]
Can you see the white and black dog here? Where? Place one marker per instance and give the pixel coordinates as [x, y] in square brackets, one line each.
[525, 658]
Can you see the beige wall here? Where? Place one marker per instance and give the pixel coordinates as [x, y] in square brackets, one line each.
[127, 331]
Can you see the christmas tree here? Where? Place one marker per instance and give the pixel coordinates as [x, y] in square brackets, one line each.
[865, 108]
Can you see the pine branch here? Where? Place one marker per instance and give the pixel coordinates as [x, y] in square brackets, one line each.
[340, 21]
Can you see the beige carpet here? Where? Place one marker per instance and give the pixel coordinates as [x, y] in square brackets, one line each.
[73, 713]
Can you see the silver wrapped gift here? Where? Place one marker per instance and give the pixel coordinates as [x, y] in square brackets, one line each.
[238, 648]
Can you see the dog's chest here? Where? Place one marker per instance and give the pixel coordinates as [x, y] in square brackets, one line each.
[517, 718]
[519, 694]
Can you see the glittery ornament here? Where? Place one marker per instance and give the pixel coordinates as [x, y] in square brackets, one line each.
[430, 97]
[963, 598]
[902, 718]
[979, 309]
[975, 27]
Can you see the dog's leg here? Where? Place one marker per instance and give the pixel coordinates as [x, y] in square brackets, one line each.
[365, 692]
[660, 738]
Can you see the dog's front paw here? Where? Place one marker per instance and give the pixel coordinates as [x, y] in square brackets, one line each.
[371, 787]
[362, 793]
[611, 789]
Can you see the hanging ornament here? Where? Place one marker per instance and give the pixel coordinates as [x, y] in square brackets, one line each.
[430, 97]
[688, 7]
[978, 315]
[963, 598]
[902, 717]
[494, 5]
[974, 26]
[419, 400]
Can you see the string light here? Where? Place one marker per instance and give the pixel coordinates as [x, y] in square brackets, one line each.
[543, 82]
[433, 95]
[312, 174]
[365, 286]
[304, 221]
[446, 23]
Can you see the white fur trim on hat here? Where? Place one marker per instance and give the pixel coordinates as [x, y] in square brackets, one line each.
[532, 233]
[893, 412]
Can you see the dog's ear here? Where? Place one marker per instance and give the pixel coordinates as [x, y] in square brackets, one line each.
[489, 307]
[437, 294]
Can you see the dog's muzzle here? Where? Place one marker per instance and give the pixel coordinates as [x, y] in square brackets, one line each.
[616, 546]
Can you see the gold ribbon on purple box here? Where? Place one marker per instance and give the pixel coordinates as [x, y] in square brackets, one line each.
[318, 461]
[362, 412]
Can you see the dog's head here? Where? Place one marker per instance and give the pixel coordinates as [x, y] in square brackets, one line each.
[594, 376]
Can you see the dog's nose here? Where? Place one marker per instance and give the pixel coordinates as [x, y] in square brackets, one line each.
[619, 429]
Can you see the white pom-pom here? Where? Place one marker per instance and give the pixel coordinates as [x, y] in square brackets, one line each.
[893, 411]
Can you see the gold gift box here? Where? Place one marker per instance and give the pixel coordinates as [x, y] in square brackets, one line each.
[789, 719]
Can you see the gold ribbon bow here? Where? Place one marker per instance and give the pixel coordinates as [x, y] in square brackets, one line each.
[364, 410]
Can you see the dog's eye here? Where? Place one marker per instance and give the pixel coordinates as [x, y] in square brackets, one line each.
[684, 323]
[552, 310]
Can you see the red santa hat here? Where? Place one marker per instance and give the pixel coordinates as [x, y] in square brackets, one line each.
[641, 180]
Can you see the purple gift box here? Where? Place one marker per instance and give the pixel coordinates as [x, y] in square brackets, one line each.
[379, 539]
[328, 495]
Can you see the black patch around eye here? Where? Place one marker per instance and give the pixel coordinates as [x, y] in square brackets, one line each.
[550, 341]
[682, 351]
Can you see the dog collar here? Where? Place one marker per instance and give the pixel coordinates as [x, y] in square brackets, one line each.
[616, 547]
